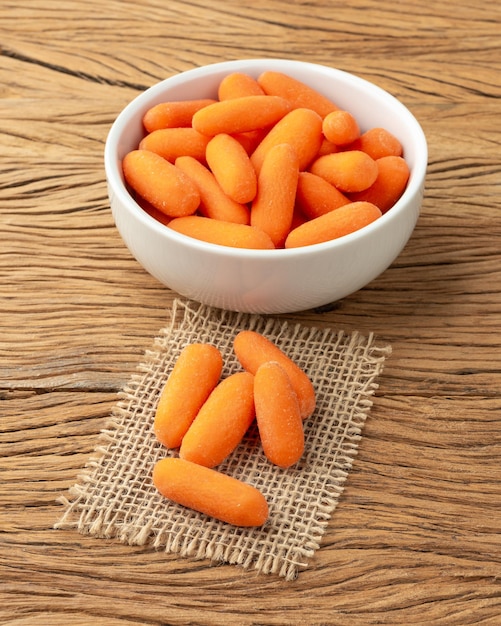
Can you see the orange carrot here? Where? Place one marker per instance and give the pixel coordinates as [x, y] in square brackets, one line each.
[297, 92]
[193, 377]
[377, 143]
[393, 174]
[253, 349]
[349, 171]
[161, 183]
[173, 114]
[232, 168]
[238, 85]
[210, 492]
[343, 221]
[170, 143]
[301, 128]
[278, 415]
[340, 127]
[213, 201]
[239, 115]
[273, 206]
[222, 233]
[315, 196]
[221, 422]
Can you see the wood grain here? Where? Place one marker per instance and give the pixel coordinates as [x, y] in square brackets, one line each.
[415, 538]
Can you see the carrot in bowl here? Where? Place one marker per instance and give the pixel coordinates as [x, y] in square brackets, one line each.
[348, 171]
[238, 85]
[343, 221]
[301, 128]
[253, 349]
[161, 183]
[222, 233]
[170, 143]
[210, 492]
[231, 166]
[238, 115]
[278, 415]
[173, 114]
[221, 422]
[195, 374]
[273, 207]
[297, 92]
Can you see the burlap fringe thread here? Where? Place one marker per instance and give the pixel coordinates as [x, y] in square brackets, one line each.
[115, 498]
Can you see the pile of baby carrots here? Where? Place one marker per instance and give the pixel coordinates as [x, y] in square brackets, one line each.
[206, 417]
[270, 163]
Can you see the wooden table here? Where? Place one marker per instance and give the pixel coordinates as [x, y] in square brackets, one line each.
[415, 538]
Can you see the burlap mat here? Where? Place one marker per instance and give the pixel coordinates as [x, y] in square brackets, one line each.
[115, 497]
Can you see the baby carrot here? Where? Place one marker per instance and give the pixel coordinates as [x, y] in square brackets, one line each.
[173, 114]
[237, 85]
[210, 492]
[170, 143]
[349, 171]
[315, 196]
[253, 349]
[377, 143]
[298, 93]
[232, 168]
[161, 183]
[393, 174]
[222, 233]
[340, 127]
[347, 219]
[327, 147]
[278, 415]
[273, 206]
[239, 115]
[301, 128]
[221, 422]
[213, 201]
[193, 377]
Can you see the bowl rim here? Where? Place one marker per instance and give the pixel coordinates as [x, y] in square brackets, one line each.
[118, 187]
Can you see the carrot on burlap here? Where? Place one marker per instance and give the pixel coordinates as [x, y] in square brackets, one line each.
[171, 143]
[273, 207]
[159, 182]
[221, 422]
[343, 221]
[222, 233]
[231, 166]
[348, 171]
[278, 415]
[253, 349]
[315, 196]
[237, 85]
[238, 115]
[210, 492]
[173, 114]
[301, 128]
[297, 92]
[213, 201]
[195, 374]
[392, 178]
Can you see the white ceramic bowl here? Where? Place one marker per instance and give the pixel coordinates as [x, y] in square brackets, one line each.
[268, 281]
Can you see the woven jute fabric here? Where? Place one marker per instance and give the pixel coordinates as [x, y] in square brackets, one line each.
[115, 497]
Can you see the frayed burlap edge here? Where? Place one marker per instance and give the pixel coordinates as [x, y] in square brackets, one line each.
[114, 496]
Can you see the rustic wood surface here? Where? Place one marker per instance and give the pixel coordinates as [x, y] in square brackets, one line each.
[416, 538]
